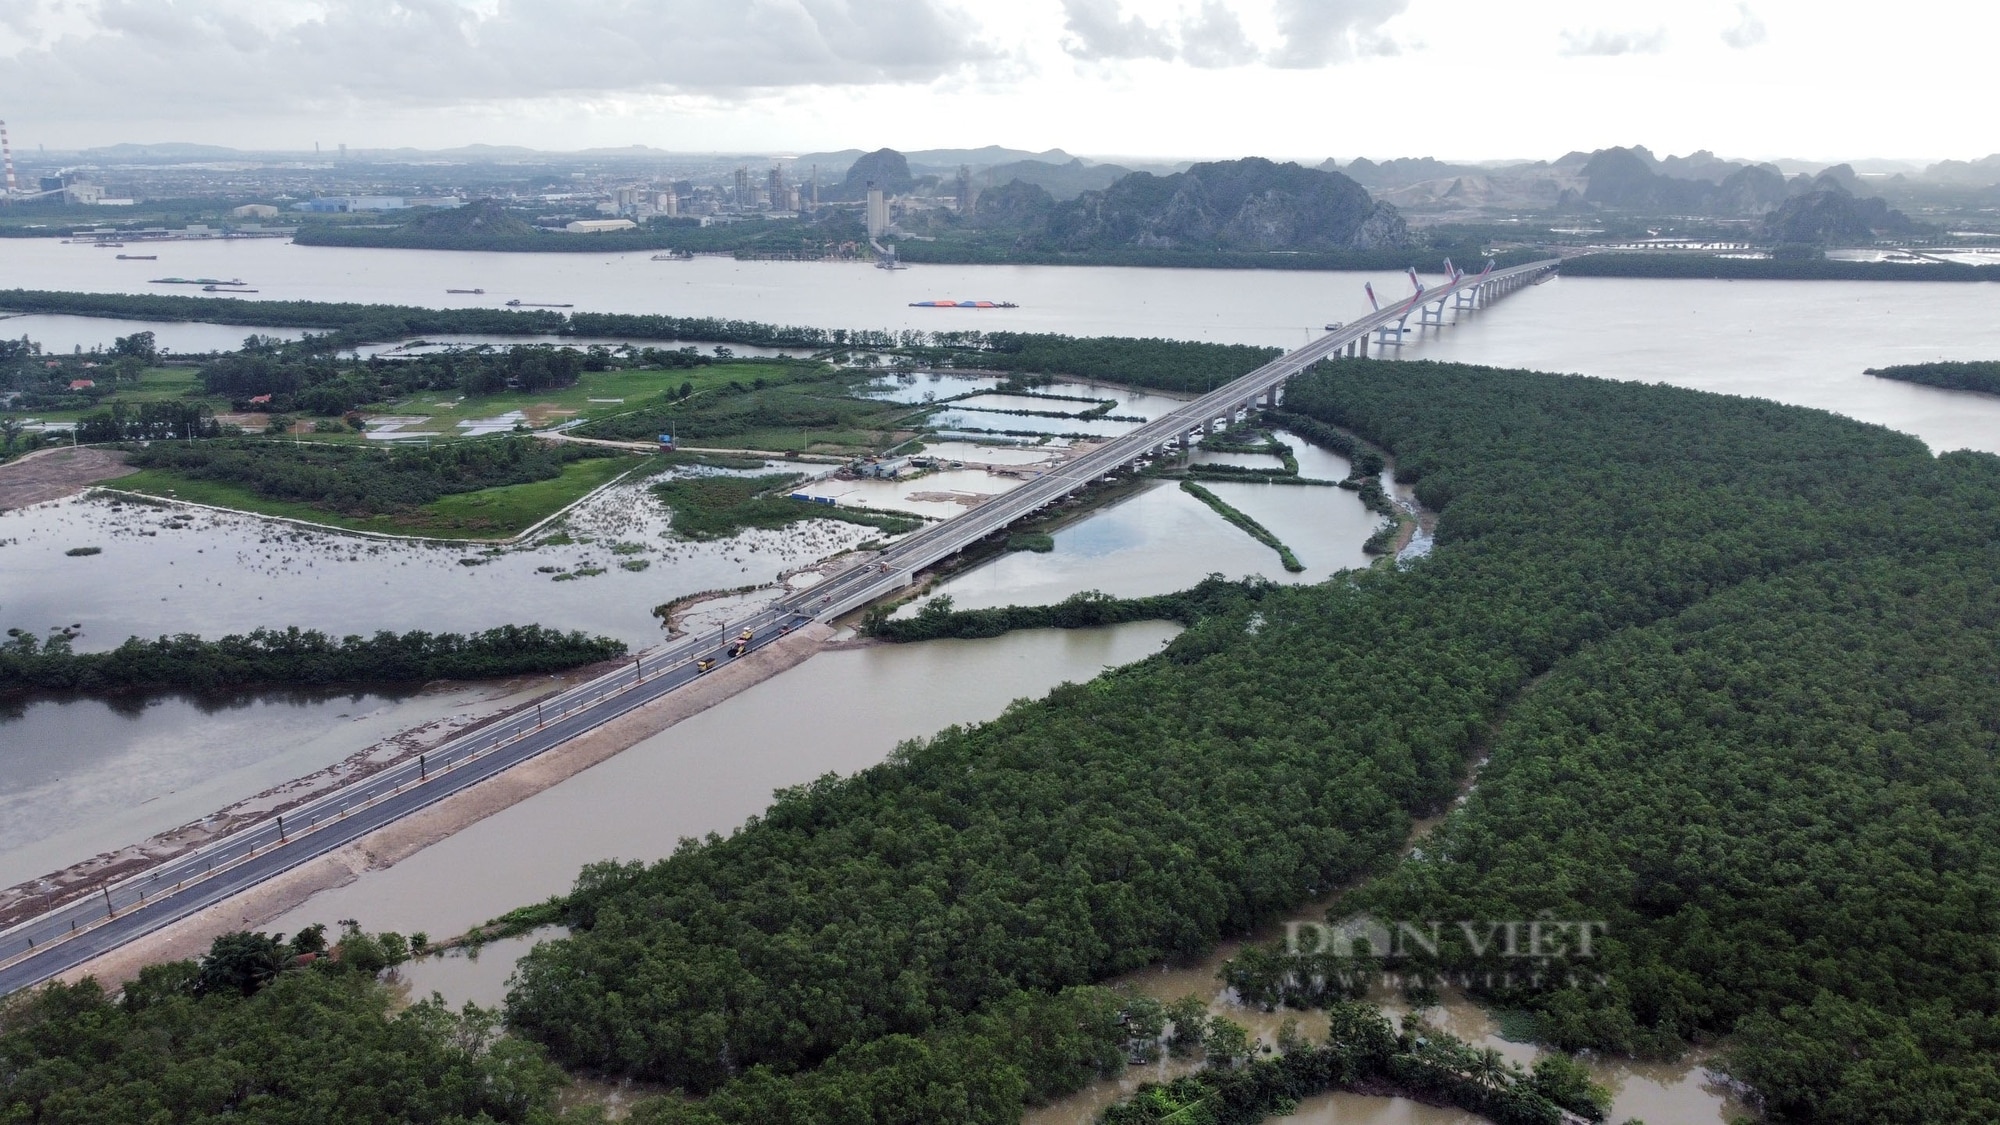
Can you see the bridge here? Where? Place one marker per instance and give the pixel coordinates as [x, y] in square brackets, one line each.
[70, 933]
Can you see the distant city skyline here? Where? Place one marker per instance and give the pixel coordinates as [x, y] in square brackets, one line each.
[1139, 79]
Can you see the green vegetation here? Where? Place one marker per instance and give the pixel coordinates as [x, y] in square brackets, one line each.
[811, 406]
[1276, 750]
[1171, 365]
[716, 507]
[1038, 542]
[489, 487]
[292, 658]
[1087, 610]
[1981, 376]
[489, 513]
[1362, 1050]
[488, 225]
[1769, 269]
[1734, 663]
[347, 322]
[244, 1035]
[1025, 1049]
[1250, 527]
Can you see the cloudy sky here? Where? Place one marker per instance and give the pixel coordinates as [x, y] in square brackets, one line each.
[1462, 79]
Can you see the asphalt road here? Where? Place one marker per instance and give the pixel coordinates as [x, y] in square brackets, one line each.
[67, 936]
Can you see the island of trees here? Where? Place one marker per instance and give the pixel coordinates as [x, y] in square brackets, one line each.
[291, 657]
[1973, 375]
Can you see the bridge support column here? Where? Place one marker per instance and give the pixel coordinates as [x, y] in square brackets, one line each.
[1271, 397]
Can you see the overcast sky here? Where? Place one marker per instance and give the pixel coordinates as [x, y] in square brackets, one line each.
[1457, 79]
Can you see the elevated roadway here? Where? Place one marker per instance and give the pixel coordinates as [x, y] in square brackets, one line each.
[74, 932]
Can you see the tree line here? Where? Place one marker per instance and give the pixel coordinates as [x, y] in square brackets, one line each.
[1975, 375]
[1090, 609]
[292, 657]
[149, 421]
[308, 375]
[263, 1029]
[359, 481]
[1710, 266]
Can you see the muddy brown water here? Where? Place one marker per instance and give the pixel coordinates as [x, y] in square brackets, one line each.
[839, 711]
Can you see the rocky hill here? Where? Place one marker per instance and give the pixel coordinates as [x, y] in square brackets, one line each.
[1829, 214]
[885, 168]
[481, 218]
[1238, 205]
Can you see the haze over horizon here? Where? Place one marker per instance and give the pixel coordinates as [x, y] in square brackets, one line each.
[1294, 79]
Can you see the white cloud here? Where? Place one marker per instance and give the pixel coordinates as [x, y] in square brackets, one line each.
[1321, 32]
[231, 56]
[1598, 41]
[1214, 38]
[1101, 31]
[1747, 31]
[1309, 33]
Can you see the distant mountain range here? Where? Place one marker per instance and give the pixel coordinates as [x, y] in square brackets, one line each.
[1422, 178]
[1251, 205]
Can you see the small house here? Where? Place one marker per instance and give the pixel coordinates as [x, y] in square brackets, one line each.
[82, 384]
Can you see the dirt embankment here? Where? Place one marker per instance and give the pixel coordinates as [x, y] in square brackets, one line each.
[191, 936]
[51, 474]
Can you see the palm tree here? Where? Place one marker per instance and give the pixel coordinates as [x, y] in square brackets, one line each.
[1489, 1069]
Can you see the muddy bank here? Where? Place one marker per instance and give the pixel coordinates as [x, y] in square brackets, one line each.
[33, 896]
[51, 474]
[191, 936]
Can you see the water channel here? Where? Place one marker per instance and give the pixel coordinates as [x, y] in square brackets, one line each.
[1803, 343]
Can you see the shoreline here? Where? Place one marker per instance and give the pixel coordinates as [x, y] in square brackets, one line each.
[191, 936]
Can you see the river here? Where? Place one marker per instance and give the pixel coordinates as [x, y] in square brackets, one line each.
[840, 711]
[1798, 342]
[1801, 342]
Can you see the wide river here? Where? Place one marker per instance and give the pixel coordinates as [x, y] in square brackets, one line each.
[1799, 342]
[1805, 343]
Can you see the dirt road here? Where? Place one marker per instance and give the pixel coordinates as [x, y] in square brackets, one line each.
[51, 474]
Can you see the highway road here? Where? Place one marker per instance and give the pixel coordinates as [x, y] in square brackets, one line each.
[71, 934]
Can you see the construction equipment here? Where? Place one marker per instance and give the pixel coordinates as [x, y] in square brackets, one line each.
[704, 664]
[742, 644]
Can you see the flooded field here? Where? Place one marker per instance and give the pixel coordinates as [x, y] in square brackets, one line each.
[83, 776]
[1683, 1092]
[1162, 540]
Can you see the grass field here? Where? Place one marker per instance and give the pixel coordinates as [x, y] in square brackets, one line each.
[447, 409]
[156, 384]
[492, 513]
